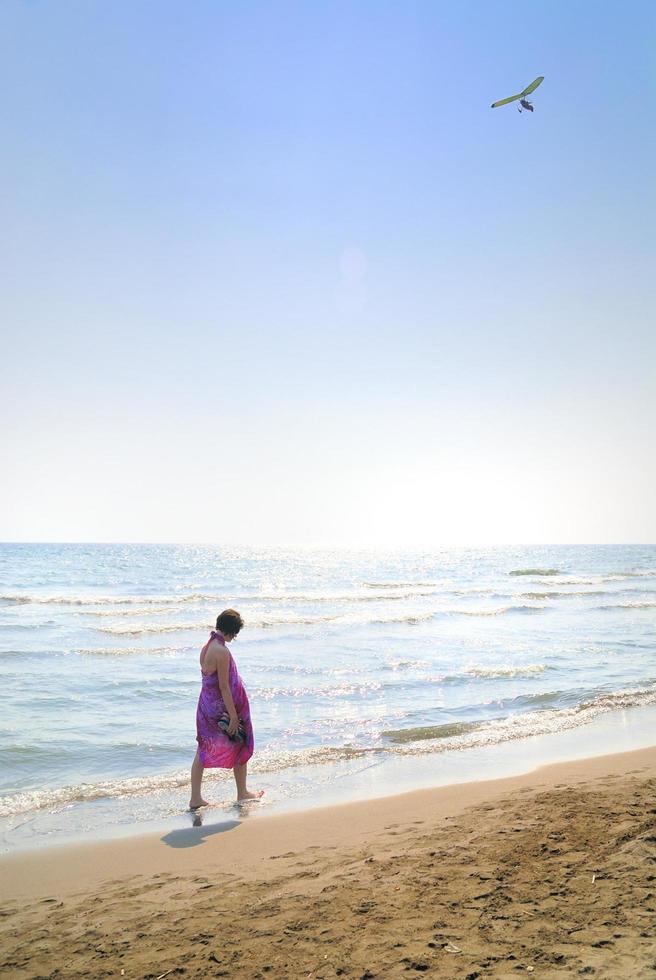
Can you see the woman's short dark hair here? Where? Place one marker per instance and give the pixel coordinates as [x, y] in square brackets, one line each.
[229, 622]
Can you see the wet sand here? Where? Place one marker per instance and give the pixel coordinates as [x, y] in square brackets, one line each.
[547, 874]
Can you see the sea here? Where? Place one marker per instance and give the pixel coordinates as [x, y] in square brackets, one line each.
[367, 672]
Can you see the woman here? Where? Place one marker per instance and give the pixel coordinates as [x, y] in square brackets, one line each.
[223, 719]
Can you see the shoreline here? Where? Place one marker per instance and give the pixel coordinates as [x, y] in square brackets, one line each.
[305, 789]
[64, 868]
[549, 873]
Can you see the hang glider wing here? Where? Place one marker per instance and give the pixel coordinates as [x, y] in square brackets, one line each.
[532, 87]
[513, 98]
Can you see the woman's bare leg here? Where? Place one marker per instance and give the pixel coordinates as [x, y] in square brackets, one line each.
[197, 770]
[240, 778]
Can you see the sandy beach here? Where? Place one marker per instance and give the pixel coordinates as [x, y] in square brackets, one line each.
[551, 873]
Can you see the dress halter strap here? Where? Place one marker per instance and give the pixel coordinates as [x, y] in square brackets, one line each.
[216, 635]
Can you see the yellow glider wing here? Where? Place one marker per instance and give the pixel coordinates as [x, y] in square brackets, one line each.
[532, 87]
[512, 98]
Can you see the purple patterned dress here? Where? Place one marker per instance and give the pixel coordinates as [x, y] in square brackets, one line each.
[215, 749]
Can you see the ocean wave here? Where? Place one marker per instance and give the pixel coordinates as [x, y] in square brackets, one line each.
[265, 667]
[54, 799]
[525, 670]
[643, 573]
[268, 761]
[629, 605]
[221, 599]
[25, 627]
[125, 651]
[586, 594]
[420, 740]
[490, 593]
[545, 721]
[132, 612]
[541, 572]
[603, 577]
[337, 691]
[415, 618]
[338, 597]
[401, 736]
[411, 619]
[32, 751]
[500, 611]
[400, 585]
[145, 630]
[291, 620]
[561, 595]
[58, 600]
[483, 673]
[270, 622]
[354, 596]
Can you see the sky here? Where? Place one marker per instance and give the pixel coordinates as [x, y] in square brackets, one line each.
[275, 273]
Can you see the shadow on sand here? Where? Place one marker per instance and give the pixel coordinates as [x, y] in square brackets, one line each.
[197, 833]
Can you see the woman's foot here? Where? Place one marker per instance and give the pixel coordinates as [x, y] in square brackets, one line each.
[248, 796]
[195, 805]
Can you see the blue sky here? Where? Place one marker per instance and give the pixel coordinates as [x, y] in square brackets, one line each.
[276, 273]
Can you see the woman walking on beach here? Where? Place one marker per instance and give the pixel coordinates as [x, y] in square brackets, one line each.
[223, 719]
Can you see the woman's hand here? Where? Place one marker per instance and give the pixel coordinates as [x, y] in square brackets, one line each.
[223, 673]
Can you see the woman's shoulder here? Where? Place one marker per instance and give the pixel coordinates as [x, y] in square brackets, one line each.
[216, 647]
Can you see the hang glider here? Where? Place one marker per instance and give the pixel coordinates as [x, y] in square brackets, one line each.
[523, 101]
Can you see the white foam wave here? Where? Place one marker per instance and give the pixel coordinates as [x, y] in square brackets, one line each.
[141, 630]
[264, 622]
[60, 600]
[525, 670]
[405, 664]
[536, 572]
[357, 595]
[516, 726]
[54, 799]
[601, 578]
[337, 691]
[410, 619]
[499, 611]
[488, 673]
[267, 761]
[630, 605]
[363, 594]
[562, 595]
[542, 722]
[293, 619]
[642, 573]
[270, 622]
[136, 611]
[400, 585]
[125, 651]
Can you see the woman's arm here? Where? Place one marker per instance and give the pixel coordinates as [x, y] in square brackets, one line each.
[223, 673]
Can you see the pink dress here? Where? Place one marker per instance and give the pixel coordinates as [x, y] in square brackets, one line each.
[215, 749]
